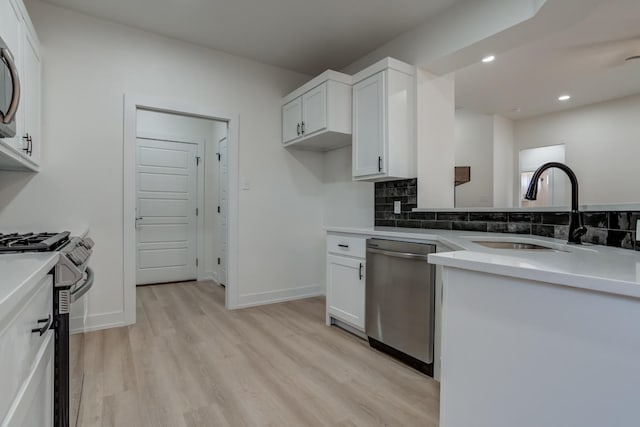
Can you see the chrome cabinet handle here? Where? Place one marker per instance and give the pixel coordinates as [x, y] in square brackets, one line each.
[7, 118]
[360, 271]
[45, 328]
[342, 245]
[303, 127]
[379, 164]
[298, 129]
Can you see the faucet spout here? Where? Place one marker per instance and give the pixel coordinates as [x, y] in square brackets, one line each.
[576, 227]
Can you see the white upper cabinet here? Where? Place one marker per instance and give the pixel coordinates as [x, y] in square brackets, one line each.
[369, 113]
[384, 122]
[292, 120]
[314, 110]
[22, 152]
[317, 116]
[31, 95]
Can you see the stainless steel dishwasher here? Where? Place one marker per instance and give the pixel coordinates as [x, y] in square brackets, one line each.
[400, 301]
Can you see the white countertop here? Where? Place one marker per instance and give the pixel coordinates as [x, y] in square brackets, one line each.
[583, 208]
[19, 273]
[593, 267]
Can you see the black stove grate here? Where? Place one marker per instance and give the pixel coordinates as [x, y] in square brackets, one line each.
[33, 242]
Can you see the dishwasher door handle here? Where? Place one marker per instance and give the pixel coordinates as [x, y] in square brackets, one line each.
[398, 254]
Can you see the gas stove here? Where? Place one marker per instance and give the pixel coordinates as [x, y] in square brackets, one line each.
[33, 242]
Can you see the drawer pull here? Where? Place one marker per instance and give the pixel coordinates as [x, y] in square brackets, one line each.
[45, 328]
[360, 271]
[342, 245]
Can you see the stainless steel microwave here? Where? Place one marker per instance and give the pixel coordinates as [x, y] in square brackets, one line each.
[9, 92]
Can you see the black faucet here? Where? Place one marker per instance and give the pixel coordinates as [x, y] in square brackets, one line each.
[576, 227]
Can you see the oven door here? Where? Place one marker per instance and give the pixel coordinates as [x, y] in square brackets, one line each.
[77, 346]
[9, 92]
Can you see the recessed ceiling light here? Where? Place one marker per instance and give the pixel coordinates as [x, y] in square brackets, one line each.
[564, 97]
[489, 58]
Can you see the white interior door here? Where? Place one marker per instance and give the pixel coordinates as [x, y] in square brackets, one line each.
[223, 202]
[166, 202]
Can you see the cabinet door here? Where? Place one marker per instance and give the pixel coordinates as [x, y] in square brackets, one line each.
[10, 31]
[33, 404]
[345, 289]
[292, 120]
[314, 110]
[31, 94]
[369, 126]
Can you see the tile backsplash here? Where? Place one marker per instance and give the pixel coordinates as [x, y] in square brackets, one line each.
[616, 229]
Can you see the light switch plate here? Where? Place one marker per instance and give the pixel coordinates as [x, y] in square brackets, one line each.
[246, 183]
[397, 207]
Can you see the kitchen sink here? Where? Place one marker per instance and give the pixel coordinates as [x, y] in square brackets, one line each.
[513, 245]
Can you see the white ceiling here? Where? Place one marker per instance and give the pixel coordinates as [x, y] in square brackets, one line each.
[585, 60]
[308, 36]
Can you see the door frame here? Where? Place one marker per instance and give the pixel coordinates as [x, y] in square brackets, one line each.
[131, 104]
[200, 150]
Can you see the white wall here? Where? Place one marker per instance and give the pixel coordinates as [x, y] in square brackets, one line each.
[602, 146]
[88, 65]
[474, 147]
[503, 162]
[348, 203]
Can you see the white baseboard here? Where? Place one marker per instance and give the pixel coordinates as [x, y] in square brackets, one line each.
[207, 276]
[97, 322]
[281, 295]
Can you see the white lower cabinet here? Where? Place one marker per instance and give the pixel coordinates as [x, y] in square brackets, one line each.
[346, 269]
[26, 359]
[33, 405]
[345, 289]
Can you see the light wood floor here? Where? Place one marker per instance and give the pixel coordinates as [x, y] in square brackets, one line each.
[190, 362]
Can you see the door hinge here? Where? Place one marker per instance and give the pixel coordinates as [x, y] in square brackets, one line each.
[218, 260]
[218, 209]
[197, 211]
[219, 155]
[196, 262]
[197, 160]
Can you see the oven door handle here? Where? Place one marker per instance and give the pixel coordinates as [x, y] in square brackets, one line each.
[5, 56]
[88, 283]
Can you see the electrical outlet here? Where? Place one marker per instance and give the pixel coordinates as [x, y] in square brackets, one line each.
[397, 207]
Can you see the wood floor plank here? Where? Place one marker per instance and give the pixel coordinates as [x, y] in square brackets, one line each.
[189, 362]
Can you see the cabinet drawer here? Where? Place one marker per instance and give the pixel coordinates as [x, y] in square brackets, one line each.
[347, 245]
[20, 345]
